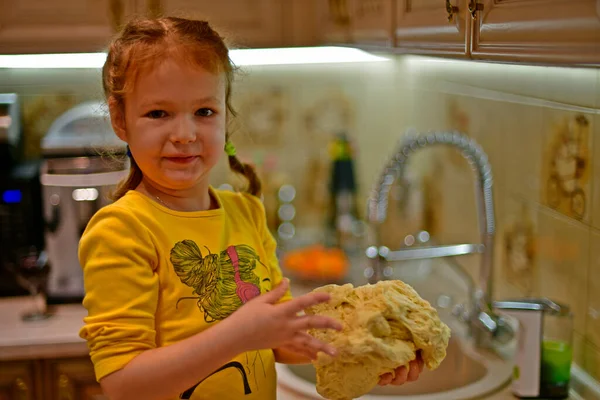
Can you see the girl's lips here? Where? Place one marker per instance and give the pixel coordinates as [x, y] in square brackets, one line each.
[182, 160]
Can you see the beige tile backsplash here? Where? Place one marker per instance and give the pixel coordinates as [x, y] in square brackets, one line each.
[593, 312]
[523, 156]
[518, 248]
[540, 128]
[563, 253]
[591, 360]
[595, 206]
[522, 116]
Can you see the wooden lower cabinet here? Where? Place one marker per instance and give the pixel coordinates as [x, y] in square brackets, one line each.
[49, 379]
[19, 380]
[71, 379]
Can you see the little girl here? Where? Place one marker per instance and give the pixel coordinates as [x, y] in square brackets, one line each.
[184, 294]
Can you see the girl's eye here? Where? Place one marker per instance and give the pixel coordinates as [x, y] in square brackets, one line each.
[156, 114]
[205, 112]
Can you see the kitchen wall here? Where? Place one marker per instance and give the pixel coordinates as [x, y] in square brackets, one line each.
[288, 118]
[540, 127]
[541, 130]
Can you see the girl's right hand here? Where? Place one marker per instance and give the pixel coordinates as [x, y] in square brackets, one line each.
[268, 324]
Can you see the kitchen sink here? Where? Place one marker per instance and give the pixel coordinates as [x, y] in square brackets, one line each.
[464, 374]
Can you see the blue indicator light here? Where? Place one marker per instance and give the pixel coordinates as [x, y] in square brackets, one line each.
[12, 196]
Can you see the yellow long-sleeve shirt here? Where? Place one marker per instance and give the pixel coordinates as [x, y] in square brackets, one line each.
[154, 276]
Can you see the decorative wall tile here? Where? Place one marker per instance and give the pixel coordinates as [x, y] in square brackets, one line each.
[483, 121]
[427, 111]
[567, 167]
[264, 115]
[563, 259]
[593, 312]
[458, 119]
[595, 206]
[522, 126]
[519, 245]
[591, 360]
[579, 349]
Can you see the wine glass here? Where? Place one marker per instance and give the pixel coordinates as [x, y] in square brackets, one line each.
[31, 270]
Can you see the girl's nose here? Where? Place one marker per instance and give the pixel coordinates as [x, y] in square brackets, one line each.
[185, 130]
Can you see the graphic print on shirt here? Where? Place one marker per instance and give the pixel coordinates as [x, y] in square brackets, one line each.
[222, 282]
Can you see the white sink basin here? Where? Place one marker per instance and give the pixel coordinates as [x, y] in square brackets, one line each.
[464, 374]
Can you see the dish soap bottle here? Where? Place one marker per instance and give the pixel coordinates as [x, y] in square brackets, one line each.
[343, 210]
[544, 354]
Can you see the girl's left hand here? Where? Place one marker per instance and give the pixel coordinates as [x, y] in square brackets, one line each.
[403, 374]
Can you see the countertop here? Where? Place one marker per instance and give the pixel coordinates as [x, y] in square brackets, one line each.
[58, 336]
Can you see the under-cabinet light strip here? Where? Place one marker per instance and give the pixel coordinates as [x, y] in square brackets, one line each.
[276, 56]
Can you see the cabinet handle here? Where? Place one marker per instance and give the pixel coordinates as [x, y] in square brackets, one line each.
[339, 12]
[451, 10]
[64, 389]
[474, 6]
[22, 389]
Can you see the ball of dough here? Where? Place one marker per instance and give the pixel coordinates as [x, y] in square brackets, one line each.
[384, 325]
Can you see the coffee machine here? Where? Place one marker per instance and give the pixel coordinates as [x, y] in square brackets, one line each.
[21, 222]
[83, 161]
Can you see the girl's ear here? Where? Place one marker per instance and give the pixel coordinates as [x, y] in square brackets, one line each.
[117, 118]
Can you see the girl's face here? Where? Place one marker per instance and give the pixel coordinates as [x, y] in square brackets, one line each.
[175, 122]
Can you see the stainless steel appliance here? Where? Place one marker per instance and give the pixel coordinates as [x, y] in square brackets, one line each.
[10, 130]
[21, 223]
[83, 162]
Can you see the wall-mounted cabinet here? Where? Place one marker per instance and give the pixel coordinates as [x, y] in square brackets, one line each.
[432, 27]
[60, 26]
[533, 31]
[547, 31]
[372, 22]
[561, 31]
[245, 23]
[368, 23]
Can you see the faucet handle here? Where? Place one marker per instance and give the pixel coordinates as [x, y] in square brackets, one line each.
[504, 332]
[497, 326]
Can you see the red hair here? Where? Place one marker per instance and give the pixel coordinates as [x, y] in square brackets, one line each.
[144, 42]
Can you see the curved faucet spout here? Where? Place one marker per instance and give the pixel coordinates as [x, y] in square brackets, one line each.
[477, 158]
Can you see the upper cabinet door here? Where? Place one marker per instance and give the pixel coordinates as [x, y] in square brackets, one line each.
[42, 26]
[332, 21]
[433, 26]
[359, 22]
[558, 31]
[372, 22]
[255, 23]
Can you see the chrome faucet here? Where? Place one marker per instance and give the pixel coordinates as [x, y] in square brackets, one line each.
[485, 326]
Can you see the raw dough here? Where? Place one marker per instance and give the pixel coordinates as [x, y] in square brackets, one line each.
[384, 326]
